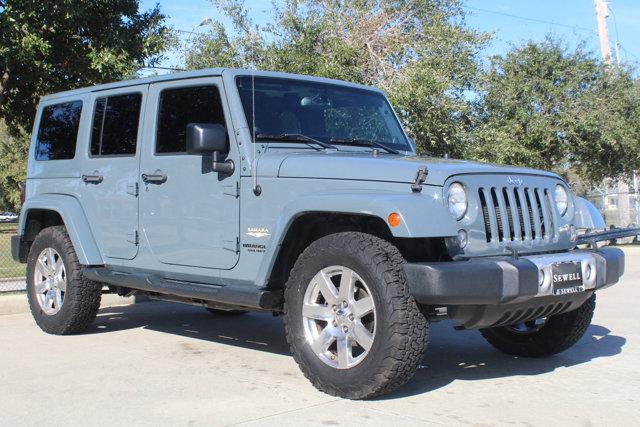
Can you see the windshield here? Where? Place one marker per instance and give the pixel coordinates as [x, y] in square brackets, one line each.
[329, 113]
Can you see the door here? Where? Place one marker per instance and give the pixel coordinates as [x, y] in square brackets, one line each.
[109, 188]
[189, 214]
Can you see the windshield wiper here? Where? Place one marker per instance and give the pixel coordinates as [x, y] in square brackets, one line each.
[363, 142]
[293, 137]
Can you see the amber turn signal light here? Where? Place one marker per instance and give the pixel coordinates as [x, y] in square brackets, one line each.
[394, 219]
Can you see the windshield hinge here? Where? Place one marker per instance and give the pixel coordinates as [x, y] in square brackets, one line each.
[421, 177]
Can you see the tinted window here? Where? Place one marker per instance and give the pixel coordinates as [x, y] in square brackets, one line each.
[178, 108]
[115, 125]
[58, 131]
[328, 112]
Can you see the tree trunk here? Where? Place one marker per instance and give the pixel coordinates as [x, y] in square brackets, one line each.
[3, 84]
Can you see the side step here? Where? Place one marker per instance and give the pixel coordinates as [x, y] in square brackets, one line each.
[248, 297]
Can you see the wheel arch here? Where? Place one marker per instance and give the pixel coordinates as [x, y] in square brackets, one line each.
[368, 209]
[312, 225]
[49, 210]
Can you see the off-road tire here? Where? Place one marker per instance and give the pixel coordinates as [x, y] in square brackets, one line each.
[82, 297]
[556, 335]
[217, 312]
[401, 333]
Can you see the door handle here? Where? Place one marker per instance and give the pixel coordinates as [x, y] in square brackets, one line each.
[155, 178]
[92, 179]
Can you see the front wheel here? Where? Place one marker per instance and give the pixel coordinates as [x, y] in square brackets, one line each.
[351, 323]
[543, 337]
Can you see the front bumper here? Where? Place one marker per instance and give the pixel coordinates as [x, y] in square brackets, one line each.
[504, 286]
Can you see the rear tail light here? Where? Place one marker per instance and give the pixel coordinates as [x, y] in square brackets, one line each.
[23, 192]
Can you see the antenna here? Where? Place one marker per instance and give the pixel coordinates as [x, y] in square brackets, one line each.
[257, 190]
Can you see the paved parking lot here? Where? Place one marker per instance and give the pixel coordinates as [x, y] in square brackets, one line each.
[169, 364]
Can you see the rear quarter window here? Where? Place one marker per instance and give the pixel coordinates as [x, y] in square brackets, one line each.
[58, 131]
[115, 125]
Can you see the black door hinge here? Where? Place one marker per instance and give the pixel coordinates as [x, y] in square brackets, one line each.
[133, 237]
[231, 245]
[133, 189]
[232, 190]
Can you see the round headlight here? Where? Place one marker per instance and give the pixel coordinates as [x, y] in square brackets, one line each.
[561, 198]
[457, 200]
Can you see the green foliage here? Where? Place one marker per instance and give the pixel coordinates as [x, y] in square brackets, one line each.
[549, 107]
[13, 171]
[540, 105]
[50, 46]
[420, 52]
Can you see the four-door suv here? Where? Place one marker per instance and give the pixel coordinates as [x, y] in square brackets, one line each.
[303, 196]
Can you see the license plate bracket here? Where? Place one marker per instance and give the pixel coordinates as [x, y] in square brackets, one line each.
[567, 278]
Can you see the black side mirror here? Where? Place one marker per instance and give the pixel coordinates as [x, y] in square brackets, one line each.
[205, 138]
[209, 139]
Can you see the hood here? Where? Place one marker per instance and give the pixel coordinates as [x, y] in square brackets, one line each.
[363, 166]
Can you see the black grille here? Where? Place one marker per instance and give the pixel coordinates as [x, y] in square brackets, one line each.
[513, 213]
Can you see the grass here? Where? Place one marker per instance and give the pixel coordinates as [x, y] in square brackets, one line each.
[8, 267]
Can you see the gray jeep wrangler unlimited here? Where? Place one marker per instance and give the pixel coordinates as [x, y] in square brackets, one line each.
[240, 190]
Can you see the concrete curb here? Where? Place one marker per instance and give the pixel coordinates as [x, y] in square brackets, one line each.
[16, 303]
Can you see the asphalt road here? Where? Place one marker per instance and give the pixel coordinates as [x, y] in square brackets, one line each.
[169, 364]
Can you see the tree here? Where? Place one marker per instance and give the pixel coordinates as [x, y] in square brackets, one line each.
[546, 106]
[50, 46]
[419, 51]
[13, 151]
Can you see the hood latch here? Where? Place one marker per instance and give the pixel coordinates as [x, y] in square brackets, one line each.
[421, 177]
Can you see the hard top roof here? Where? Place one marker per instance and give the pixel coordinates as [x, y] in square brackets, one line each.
[184, 75]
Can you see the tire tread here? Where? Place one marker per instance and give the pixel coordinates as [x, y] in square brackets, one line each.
[409, 328]
[558, 334]
[82, 298]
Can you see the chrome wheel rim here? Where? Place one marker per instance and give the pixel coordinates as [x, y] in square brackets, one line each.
[50, 281]
[339, 317]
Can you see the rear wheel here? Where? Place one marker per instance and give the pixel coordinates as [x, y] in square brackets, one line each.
[351, 323]
[543, 337]
[61, 300]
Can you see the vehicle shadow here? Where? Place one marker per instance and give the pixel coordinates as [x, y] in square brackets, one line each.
[452, 355]
[466, 356]
[258, 331]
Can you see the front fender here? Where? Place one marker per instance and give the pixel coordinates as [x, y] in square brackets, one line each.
[587, 215]
[423, 215]
[75, 221]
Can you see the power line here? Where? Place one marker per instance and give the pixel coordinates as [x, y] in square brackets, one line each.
[630, 53]
[615, 21]
[524, 18]
[615, 24]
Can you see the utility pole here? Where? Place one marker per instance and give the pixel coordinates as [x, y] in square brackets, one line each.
[635, 190]
[602, 12]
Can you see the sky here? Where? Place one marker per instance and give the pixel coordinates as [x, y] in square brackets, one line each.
[510, 21]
